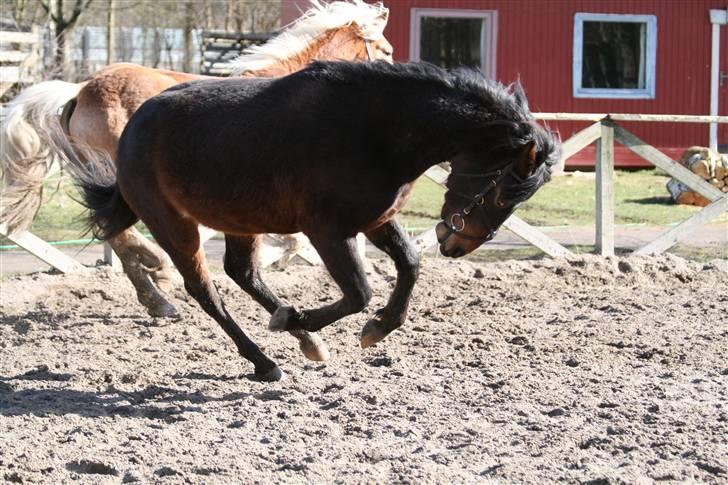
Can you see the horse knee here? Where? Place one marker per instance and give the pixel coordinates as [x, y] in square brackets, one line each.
[411, 266]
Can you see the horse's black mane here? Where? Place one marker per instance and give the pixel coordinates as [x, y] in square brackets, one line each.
[508, 102]
[487, 103]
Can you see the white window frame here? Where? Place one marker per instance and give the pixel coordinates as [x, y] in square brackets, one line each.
[650, 56]
[488, 47]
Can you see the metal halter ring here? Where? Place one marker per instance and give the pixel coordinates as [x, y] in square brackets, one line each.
[454, 226]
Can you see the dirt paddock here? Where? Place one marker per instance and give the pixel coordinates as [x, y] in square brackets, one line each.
[587, 370]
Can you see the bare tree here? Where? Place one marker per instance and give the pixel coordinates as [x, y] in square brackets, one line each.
[63, 22]
[251, 15]
[110, 26]
[24, 12]
[188, 28]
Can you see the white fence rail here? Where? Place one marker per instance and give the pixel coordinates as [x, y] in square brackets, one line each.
[19, 56]
[604, 131]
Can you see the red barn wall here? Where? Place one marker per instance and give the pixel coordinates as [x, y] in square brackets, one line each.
[535, 42]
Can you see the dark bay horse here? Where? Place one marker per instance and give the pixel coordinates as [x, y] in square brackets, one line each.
[330, 151]
[96, 111]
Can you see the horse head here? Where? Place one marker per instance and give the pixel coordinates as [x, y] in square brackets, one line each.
[351, 43]
[479, 201]
[351, 30]
[357, 32]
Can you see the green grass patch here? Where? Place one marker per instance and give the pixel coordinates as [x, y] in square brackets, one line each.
[61, 217]
[641, 198]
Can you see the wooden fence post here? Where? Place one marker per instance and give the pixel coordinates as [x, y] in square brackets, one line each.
[111, 258]
[604, 238]
[42, 250]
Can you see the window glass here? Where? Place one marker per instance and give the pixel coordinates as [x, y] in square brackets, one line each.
[450, 42]
[614, 55]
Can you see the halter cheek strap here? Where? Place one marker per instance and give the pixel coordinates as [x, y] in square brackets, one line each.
[456, 224]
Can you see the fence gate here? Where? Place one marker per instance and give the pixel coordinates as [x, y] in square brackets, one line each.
[219, 48]
[19, 58]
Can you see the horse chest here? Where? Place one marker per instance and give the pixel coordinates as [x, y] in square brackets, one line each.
[396, 202]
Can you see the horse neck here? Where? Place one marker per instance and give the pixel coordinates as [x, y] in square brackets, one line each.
[433, 137]
[319, 49]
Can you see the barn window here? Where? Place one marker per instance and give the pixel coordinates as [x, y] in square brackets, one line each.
[451, 38]
[614, 56]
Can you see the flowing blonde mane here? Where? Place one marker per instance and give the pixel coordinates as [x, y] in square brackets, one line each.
[298, 35]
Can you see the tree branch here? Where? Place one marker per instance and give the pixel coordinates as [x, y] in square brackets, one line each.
[78, 9]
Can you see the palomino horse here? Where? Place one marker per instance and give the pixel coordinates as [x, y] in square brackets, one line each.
[99, 109]
[330, 151]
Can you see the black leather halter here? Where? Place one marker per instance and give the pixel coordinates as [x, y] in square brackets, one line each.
[456, 224]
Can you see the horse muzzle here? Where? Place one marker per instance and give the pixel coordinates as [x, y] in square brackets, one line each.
[448, 246]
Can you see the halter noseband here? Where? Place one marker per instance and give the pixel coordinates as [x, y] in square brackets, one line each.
[456, 224]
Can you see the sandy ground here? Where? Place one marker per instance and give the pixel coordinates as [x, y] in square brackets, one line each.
[588, 370]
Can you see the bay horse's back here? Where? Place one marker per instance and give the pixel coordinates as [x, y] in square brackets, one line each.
[105, 103]
[200, 135]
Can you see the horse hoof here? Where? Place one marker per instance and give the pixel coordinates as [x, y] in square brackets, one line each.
[314, 348]
[162, 310]
[281, 317]
[372, 333]
[273, 375]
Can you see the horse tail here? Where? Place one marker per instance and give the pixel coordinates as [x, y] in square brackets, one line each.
[94, 174]
[109, 213]
[27, 152]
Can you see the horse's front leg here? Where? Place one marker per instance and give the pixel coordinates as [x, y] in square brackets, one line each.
[241, 264]
[391, 239]
[341, 258]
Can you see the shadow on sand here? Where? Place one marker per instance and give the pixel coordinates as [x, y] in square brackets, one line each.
[151, 402]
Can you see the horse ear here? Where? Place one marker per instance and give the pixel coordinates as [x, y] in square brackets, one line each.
[527, 162]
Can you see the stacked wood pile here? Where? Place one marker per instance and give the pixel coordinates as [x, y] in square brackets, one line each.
[706, 163]
[219, 48]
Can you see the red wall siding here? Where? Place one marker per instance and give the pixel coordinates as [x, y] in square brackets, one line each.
[535, 42]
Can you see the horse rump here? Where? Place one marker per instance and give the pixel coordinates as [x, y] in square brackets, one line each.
[94, 175]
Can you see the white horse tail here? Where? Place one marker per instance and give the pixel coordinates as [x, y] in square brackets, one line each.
[27, 150]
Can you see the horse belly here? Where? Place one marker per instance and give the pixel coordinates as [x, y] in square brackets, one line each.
[239, 215]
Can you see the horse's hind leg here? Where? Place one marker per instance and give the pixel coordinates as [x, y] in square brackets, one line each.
[179, 237]
[391, 239]
[242, 266]
[341, 258]
[154, 259]
[137, 265]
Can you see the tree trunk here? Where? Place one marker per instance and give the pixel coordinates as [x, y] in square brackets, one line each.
[110, 31]
[60, 69]
[59, 57]
[229, 15]
[189, 25]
